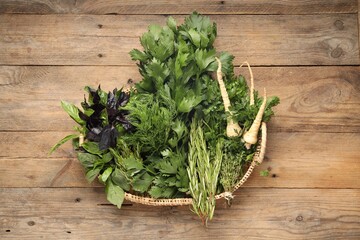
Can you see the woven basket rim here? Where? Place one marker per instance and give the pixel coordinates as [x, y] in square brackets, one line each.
[257, 159]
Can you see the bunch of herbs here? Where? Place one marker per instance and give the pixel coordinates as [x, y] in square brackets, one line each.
[166, 138]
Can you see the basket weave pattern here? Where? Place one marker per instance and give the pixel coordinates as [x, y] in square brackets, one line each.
[257, 159]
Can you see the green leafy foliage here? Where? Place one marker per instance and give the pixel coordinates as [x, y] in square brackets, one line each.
[264, 173]
[62, 141]
[92, 147]
[234, 160]
[166, 137]
[91, 174]
[203, 171]
[158, 42]
[120, 178]
[151, 121]
[142, 182]
[87, 159]
[106, 174]
[73, 111]
[114, 193]
[172, 180]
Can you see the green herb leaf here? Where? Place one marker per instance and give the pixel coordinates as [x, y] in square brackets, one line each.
[188, 103]
[227, 66]
[103, 96]
[73, 112]
[107, 157]
[91, 174]
[194, 37]
[92, 147]
[204, 58]
[171, 23]
[131, 163]
[105, 175]
[137, 55]
[62, 141]
[87, 160]
[162, 192]
[264, 173]
[120, 179]
[114, 194]
[142, 182]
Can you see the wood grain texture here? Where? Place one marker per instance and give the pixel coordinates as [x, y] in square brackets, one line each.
[178, 7]
[136, 25]
[81, 214]
[262, 40]
[321, 99]
[313, 190]
[295, 160]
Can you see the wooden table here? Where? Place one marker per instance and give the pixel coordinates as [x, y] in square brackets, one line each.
[306, 52]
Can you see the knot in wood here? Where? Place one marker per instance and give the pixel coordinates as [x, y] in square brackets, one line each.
[339, 24]
[31, 223]
[337, 52]
[299, 218]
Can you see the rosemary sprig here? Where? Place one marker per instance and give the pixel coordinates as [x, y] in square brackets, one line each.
[203, 173]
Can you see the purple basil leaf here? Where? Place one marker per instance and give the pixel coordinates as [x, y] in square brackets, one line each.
[123, 99]
[127, 126]
[94, 134]
[83, 116]
[108, 137]
[111, 101]
[84, 104]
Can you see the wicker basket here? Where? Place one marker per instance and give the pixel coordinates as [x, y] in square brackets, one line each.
[257, 159]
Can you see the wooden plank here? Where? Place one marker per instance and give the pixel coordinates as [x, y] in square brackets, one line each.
[52, 50]
[255, 214]
[135, 25]
[178, 7]
[322, 99]
[263, 40]
[43, 173]
[295, 160]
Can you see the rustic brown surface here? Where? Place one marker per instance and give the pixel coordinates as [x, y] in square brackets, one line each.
[178, 7]
[330, 102]
[83, 213]
[305, 52]
[261, 40]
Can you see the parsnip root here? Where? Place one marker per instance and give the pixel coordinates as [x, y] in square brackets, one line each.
[251, 136]
[251, 83]
[232, 129]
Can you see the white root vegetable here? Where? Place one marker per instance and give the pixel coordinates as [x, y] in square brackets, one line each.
[232, 129]
[81, 140]
[251, 83]
[251, 136]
